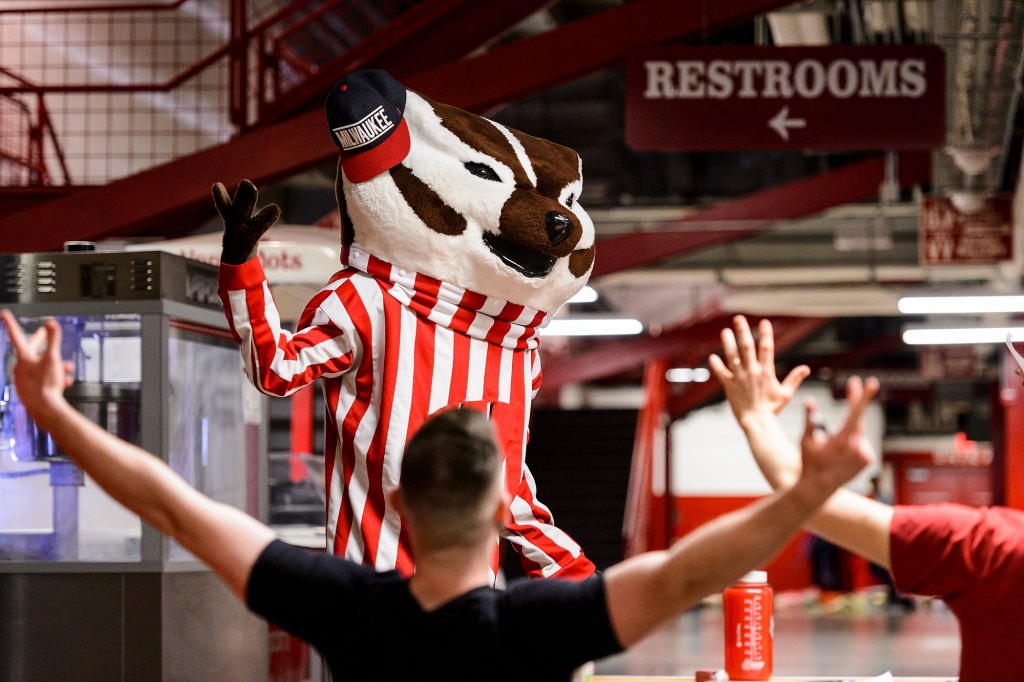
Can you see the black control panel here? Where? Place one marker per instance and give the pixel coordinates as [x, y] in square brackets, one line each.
[101, 275]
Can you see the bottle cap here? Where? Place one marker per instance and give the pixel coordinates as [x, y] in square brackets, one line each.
[755, 577]
[79, 246]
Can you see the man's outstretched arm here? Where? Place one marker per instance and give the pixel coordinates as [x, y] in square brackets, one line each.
[225, 538]
[646, 590]
[850, 520]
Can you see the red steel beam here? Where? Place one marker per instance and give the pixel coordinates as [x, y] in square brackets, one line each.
[575, 49]
[692, 341]
[172, 199]
[159, 199]
[611, 357]
[1011, 435]
[797, 199]
[646, 524]
[788, 333]
[82, 9]
[14, 199]
[428, 35]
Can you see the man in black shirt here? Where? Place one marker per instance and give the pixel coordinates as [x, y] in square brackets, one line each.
[446, 620]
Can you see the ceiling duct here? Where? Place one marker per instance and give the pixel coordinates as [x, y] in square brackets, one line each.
[803, 23]
[983, 44]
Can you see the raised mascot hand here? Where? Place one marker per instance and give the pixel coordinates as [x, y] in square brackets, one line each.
[242, 229]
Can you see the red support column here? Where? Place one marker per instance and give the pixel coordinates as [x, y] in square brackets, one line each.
[646, 524]
[238, 66]
[301, 431]
[1011, 399]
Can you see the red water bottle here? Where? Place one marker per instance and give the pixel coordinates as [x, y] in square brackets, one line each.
[748, 628]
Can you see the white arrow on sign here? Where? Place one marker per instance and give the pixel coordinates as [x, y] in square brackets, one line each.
[781, 123]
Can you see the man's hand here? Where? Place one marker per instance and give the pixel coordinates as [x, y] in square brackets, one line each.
[40, 375]
[748, 377]
[242, 229]
[830, 460]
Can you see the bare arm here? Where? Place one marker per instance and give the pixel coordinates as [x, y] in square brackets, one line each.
[648, 589]
[225, 538]
[850, 520]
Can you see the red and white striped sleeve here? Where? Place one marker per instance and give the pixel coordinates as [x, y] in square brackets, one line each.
[277, 361]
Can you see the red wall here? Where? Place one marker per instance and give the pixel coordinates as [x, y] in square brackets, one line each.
[789, 570]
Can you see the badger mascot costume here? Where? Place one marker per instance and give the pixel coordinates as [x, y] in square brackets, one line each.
[459, 237]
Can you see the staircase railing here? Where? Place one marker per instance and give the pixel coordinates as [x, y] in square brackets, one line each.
[104, 91]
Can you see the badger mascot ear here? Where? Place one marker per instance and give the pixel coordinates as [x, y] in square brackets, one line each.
[366, 117]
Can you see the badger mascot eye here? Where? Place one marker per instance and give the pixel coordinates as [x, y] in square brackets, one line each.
[481, 170]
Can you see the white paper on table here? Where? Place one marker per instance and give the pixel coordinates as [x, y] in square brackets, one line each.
[1013, 351]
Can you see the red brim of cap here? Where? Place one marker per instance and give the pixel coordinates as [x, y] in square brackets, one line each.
[362, 166]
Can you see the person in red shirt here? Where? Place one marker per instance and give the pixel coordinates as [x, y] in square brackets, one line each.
[971, 558]
[445, 621]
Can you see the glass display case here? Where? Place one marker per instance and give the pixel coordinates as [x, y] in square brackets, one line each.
[49, 510]
[153, 363]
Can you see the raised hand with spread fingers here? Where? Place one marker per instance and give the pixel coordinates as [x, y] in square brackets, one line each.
[748, 374]
[756, 396]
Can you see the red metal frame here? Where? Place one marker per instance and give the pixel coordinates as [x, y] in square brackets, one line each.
[612, 357]
[165, 86]
[238, 66]
[302, 426]
[1011, 400]
[36, 135]
[16, 199]
[158, 200]
[646, 525]
[690, 342]
[797, 199]
[575, 49]
[246, 97]
[431, 33]
[407, 29]
[72, 9]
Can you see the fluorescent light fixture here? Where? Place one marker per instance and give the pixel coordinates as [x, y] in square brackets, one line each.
[587, 294]
[592, 326]
[685, 375]
[918, 337]
[924, 305]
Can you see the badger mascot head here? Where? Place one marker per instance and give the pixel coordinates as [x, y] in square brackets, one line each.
[457, 197]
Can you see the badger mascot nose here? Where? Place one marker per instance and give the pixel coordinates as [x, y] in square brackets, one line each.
[559, 227]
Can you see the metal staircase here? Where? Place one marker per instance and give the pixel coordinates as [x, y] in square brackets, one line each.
[274, 71]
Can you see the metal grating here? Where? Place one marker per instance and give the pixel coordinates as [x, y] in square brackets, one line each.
[104, 91]
[19, 160]
[105, 76]
[984, 43]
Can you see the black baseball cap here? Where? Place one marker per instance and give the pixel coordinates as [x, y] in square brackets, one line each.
[365, 114]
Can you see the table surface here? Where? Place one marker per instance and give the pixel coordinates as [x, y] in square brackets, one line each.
[641, 678]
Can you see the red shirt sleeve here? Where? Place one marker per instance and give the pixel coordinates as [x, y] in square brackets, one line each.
[945, 549]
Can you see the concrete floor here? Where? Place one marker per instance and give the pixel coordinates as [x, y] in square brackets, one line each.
[853, 636]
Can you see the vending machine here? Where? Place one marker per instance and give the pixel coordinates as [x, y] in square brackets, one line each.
[88, 591]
